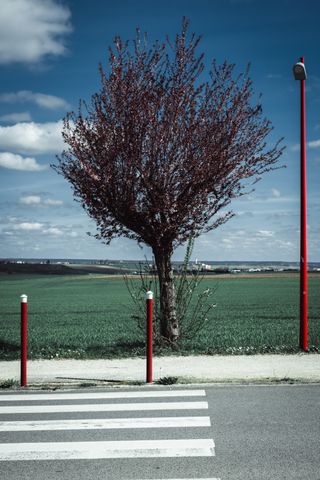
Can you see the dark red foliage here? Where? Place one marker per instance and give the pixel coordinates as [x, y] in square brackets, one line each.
[158, 156]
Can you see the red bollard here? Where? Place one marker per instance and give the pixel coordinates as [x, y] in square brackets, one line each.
[149, 296]
[24, 318]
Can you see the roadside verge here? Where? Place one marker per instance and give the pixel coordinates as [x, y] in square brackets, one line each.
[180, 369]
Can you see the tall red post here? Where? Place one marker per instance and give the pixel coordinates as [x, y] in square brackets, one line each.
[24, 321]
[303, 223]
[149, 296]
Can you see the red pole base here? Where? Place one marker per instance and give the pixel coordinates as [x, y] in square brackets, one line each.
[149, 337]
[24, 320]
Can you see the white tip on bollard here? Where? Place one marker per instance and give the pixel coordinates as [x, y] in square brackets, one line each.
[149, 295]
[24, 299]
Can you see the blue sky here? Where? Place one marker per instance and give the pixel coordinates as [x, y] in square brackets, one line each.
[49, 55]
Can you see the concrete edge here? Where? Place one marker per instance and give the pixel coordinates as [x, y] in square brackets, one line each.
[181, 382]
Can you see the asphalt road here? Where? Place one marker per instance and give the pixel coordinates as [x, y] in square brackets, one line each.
[225, 432]
[266, 432]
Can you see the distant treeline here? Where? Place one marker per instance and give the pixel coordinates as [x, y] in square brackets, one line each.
[54, 269]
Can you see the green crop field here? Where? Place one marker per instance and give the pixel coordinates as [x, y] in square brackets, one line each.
[90, 317]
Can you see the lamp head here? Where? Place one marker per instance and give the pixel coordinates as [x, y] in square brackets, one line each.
[299, 71]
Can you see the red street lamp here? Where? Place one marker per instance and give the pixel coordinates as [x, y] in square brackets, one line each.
[300, 73]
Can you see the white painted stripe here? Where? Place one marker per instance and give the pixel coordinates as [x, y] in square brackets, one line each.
[102, 395]
[111, 449]
[105, 423]
[104, 407]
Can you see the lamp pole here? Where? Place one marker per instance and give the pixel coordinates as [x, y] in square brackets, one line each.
[300, 74]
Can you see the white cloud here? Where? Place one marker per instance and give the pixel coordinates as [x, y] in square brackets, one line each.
[241, 213]
[30, 200]
[52, 202]
[314, 144]
[30, 30]
[28, 226]
[265, 233]
[16, 117]
[34, 138]
[17, 162]
[18, 228]
[41, 99]
[36, 200]
[53, 231]
[295, 147]
[276, 193]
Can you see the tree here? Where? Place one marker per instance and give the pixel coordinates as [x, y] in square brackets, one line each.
[192, 316]
[158, 156]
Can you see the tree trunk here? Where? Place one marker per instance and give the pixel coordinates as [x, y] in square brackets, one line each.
[169, 328]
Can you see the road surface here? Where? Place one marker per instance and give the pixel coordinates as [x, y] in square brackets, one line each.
[215, 432]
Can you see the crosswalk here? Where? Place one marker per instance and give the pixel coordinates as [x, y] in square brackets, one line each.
[23, 416]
